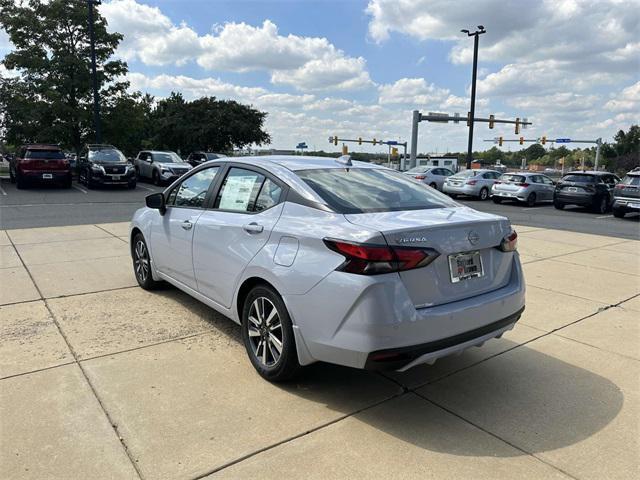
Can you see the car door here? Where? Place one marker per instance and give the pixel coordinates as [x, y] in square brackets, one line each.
[228, 236]
[547, 187]
[172, 233]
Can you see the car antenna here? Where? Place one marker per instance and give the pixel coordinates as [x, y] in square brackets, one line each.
[345, 160]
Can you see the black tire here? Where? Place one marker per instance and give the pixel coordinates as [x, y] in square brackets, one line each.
[434, 185]
[137, 173]
[68, 182]
[618, 213]
[12, 177]
[558, 205]
[484, 194]
[156, 178]
[601, 205]
[496, 199]
[21, 183]
[453, 195]
[141, 259]
[285, 366]
[531, 200]
[131, 185]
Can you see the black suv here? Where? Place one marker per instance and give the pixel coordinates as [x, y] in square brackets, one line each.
[105, 165]
[196, 158]
[589, 189]
[626, 195]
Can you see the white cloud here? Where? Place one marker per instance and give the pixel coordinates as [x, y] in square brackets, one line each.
[306, 63]
[420, 94]
[628, 100]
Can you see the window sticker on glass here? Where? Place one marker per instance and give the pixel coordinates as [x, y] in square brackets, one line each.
[237, 192]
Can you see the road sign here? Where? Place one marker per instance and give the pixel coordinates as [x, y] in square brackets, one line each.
[302, 145]
[391, 142]
[563, 140]
[445, 117]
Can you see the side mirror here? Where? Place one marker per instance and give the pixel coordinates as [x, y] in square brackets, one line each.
[156, 201]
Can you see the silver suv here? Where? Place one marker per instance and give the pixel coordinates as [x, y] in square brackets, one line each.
[527, 187]
[626, 195]
[160, 166]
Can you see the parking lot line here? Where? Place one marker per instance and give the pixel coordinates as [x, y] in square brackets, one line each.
[604, 216]
[2, 191]
[80, 189]
[145, 188]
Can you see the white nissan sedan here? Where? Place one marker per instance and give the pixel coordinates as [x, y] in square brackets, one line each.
[322, 259]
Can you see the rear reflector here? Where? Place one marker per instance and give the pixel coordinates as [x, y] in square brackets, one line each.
[366, 259]
[420, 177]
[509, 242]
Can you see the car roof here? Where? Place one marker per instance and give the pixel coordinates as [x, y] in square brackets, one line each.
[42, 146]
[588, 172]
[296, 162]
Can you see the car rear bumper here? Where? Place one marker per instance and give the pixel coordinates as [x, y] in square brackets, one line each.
[515, 195]
[102, 179]
[628, 204]
[369, 317]
[56, 175]
[575, 198]
[461, 190]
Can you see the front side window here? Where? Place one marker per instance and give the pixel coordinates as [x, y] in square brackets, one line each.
[191, 193]
[364, 190]
[240, 190]
[546, 180]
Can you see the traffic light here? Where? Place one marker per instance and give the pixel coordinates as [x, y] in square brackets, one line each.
[374, 141]
[359, 140]
[491, 121]
[517, 125]
[521, 140]
[335, 140]
[345, 149]
[543, 140]
[468, 119]
[394, 152]
[500, 141]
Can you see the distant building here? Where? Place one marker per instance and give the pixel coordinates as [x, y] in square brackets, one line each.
[438, 161]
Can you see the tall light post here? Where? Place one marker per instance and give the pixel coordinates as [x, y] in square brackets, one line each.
[96, 97]
[472, 112]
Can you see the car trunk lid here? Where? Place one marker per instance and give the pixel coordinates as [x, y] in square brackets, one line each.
[450, 231]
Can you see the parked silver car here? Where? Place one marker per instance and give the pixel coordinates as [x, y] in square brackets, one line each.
[323, 259]
[432, 176]
[527, 187]
[474, 183]
[161, 167]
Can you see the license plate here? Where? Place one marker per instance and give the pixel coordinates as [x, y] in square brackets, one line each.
[47, 176]
[633, 205]
[463, 266]
[115, 177]
[573, 189]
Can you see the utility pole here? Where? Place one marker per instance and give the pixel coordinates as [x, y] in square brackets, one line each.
[475, 36]
[96, 97]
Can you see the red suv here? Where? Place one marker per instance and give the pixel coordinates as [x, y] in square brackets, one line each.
[43, 163]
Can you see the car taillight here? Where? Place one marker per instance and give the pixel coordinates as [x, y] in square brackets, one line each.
[472, 182]
[523, 184]
[509, 242]
[620, 185]
[366, 259]
[420, 177]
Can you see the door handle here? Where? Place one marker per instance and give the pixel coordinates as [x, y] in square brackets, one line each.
[253, 227]
[187, 225]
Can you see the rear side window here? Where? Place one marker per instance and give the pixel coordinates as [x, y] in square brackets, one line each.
[240, 190]
[44, 154]
[631, 180]
[580, 178]
[191, 193]
[363, 190]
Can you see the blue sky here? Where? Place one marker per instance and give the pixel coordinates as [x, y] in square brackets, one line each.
[358, 68]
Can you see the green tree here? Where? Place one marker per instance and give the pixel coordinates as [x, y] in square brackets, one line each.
[534, 151]
[52, 54]
[127, 122]
[207, 124]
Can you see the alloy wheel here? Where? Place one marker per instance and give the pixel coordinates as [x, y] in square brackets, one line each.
[265, 332]
[141, 261]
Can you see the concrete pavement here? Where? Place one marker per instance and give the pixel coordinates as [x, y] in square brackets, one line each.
[100, 379]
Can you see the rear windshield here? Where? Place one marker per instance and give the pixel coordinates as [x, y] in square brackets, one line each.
[106, 155]
[580, 178]
[631, 180]
[45, 154]
[513, 178]
[364, 190]
[465, 174]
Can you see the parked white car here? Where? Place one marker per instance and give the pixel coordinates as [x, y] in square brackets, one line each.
[330, 260]
[432, 176]
[473, 183]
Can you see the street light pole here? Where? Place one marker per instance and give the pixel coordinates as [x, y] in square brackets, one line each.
[475, 36]
[96, 97]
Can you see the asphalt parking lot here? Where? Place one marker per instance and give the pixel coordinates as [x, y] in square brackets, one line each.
[100, 379]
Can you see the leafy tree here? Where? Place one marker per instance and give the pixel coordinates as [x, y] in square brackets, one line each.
[127, 122]
[534, 151]
[207, 124]
[52, 55]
